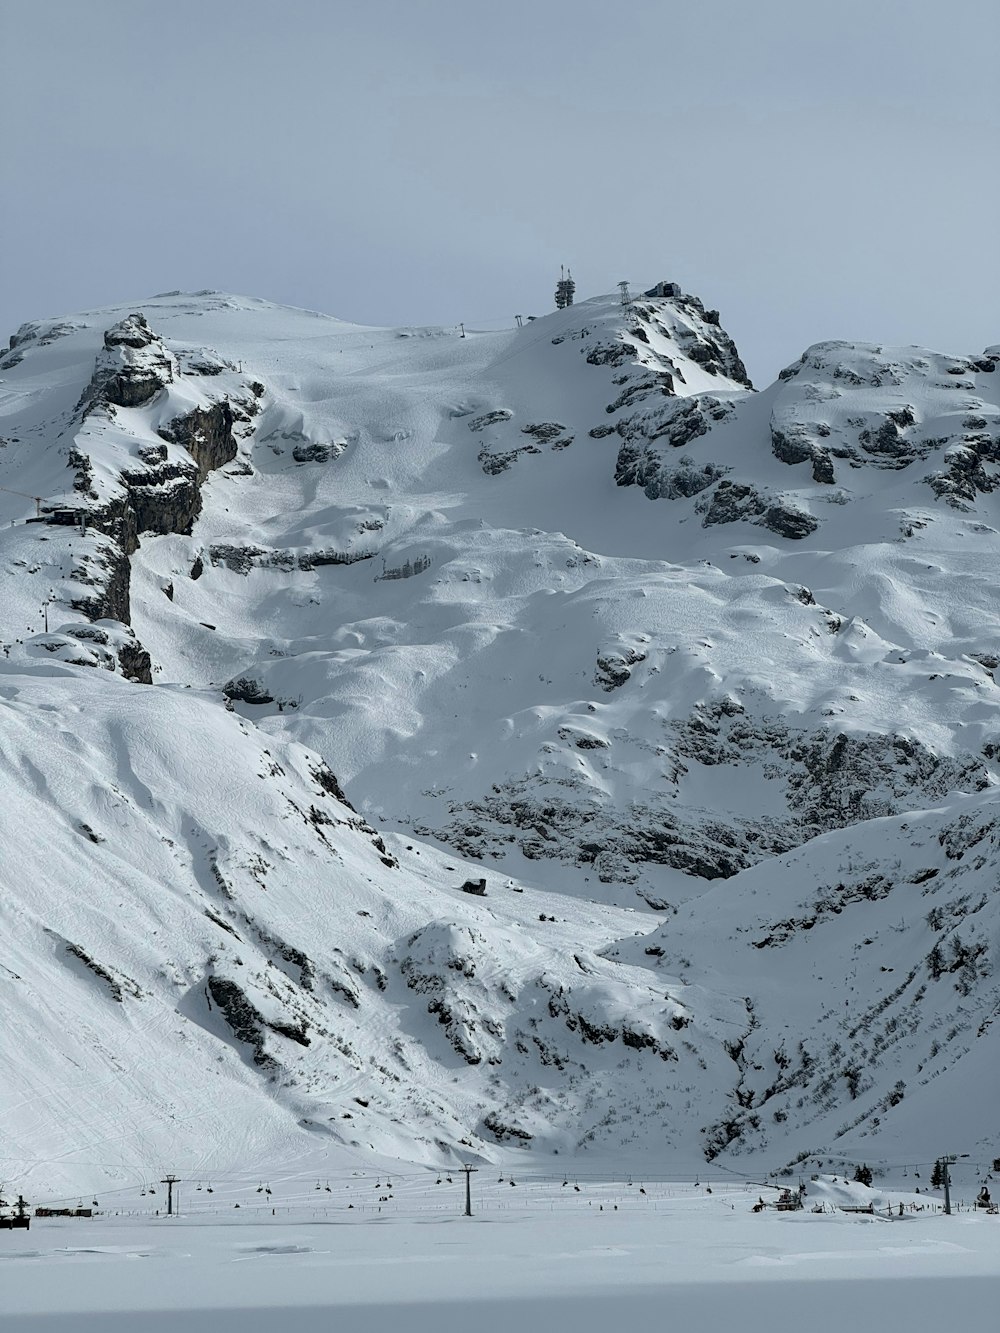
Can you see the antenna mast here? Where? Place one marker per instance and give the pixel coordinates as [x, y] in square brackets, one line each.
[565, 288]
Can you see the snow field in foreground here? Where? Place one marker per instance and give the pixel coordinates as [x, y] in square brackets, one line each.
[703, 1263]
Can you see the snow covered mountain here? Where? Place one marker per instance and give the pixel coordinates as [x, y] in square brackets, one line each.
[520, 741]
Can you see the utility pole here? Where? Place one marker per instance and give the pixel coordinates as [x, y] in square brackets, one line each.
[170, 1181]
[945, 1163]
[468, 1187]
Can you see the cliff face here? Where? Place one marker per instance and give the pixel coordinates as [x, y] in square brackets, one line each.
[207, 434]
[126, 483]
[132, 367]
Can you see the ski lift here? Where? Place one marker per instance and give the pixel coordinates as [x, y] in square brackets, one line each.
[260, 1188]
[209, 1190]
[318, 1185]
[329, 1190]
[94, 1203]
[142, 1193]
[565, 1183]
[151, 1190]
[198, 1186]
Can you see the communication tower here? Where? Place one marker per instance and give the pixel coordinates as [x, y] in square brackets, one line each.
[565, 288]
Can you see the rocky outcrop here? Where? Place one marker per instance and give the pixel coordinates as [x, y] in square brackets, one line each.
[826, 780]
[642, 460]
[241, 559]
[133, 367]
[844, 404]
[108, 572]
[160, 490]
[242, 1017]
[733, 502]
[964, 475]
[311, 452]
[441, 963]
[247, 690]
[705, 341]
[495, 463]
[614, 667]
[110, 646]
[551, 433]
[207, 434]
[800, 448]
[494, 418]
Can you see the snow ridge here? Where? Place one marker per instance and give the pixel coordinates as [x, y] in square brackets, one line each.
[700, 680]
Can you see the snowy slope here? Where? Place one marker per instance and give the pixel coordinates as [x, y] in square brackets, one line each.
[571, 602]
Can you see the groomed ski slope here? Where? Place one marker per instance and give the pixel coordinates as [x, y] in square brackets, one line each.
[688, 1259]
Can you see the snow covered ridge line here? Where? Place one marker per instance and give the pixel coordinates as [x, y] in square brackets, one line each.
[841, 407]
[701, 680]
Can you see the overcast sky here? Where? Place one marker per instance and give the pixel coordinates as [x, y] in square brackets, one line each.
[813, 168]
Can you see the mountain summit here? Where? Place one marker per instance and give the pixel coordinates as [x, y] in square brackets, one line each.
[424, 744]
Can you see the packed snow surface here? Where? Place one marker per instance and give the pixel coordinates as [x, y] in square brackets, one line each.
[581, 1257]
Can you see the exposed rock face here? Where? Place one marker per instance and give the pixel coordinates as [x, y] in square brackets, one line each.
[110, 646]
[241, 559]
[704, 341]
[964, 475]
[495, 463]
[162, 498]
[110, 574]
[842, 406]
[160, 491]
[316, 453]
[243, 1018]
[614, 667]
[133, 367]
[641, 461]
[731, 502]
[440, 963]
[136, 663]
[247, 690]
[827, 780]
[845, 401]
[207, 435]
[495, 418]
